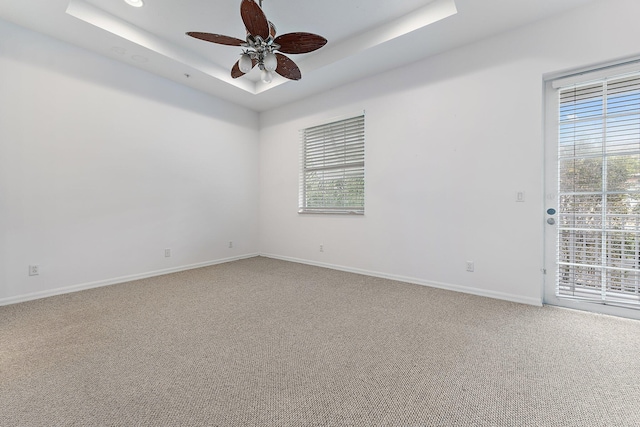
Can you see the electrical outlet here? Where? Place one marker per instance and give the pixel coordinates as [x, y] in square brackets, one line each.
[167, 253]
[470, 266]
[230, 245]
[34, 270]
[321, 248]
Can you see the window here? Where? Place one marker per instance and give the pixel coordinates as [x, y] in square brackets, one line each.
[598, 252]
[332, 168]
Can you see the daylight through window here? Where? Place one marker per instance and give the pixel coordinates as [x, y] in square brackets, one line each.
[332, 168]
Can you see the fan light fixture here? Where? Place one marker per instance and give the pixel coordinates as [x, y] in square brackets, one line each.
[261, 52]
[262, 47]
[135, 3]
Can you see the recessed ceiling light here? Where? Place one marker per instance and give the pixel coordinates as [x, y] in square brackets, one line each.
[135, 3]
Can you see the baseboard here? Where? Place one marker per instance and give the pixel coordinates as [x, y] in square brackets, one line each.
[123, 279]
[413, 280]
[116, 280]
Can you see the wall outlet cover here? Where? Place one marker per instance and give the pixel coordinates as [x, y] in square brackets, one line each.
[34, 270]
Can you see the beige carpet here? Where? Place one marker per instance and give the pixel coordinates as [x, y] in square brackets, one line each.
[262, 342]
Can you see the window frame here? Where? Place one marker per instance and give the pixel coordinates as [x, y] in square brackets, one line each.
[335, 148]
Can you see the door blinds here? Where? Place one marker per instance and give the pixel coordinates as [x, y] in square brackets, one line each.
[598, 250]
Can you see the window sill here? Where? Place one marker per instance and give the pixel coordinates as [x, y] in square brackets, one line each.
[331, 211]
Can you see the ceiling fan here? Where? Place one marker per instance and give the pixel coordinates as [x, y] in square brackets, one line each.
[262, 47]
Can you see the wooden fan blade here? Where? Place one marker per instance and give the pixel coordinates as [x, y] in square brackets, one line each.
[254, 19]
[217, 38]
[272, 29]
[235, 70]
[287, 68]
[300, 42]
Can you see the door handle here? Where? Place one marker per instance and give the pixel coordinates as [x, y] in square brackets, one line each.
[551, 212]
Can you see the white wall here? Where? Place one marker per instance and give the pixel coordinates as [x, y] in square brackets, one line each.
[449, 143]
[102, 166]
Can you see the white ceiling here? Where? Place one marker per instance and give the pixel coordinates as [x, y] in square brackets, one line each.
[364, 36]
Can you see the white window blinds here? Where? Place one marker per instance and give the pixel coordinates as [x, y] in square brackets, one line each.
[332, 168]
[599, 190]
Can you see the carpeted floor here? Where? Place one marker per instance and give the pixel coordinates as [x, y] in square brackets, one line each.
[262, 342]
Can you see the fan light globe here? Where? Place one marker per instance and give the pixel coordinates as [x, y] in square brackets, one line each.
[245, 63]
[270, 62]
[266, 76]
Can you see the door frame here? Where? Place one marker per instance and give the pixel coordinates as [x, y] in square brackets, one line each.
[550, 192]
